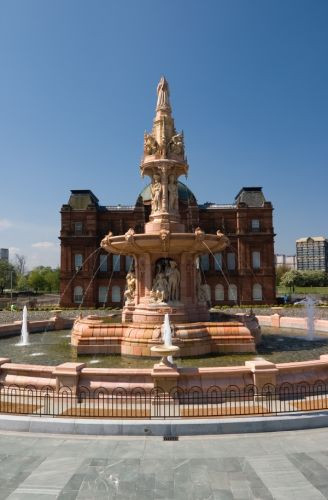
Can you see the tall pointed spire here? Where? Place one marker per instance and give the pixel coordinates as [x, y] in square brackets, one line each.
[164, 161]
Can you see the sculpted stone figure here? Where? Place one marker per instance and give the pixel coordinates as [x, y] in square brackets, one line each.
[156, 194]
[173, 279]
[130, 288]
[176, 144]
[173, 194]
[159, 292]
[163, 94]
[150, 144]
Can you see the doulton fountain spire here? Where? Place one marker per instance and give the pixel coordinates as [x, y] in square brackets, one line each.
[164, 161]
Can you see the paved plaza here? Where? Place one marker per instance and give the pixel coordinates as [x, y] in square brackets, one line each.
[283, 465]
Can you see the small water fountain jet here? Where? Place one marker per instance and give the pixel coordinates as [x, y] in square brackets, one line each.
[166, 350]
[309, 304]
[24, 340]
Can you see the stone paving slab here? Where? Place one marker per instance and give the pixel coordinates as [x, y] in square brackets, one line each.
[286, 465]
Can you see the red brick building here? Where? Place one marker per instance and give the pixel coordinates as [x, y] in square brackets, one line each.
[244, 273]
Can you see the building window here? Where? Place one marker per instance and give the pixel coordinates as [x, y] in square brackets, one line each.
[231, 261]
[232, 293]
[257, 291]
[205, 262]
[218, 261]
[128, 263]
[102, 294]
[116, 294]
[78, 261]
[103, 263]
[255, 225]
[256, 260]
[78, 227]
[116, 262]
[78, 295]
[219, 292]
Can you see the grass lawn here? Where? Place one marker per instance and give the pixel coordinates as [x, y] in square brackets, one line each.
[319, 290]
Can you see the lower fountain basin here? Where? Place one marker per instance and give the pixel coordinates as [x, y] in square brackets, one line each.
[91, 335]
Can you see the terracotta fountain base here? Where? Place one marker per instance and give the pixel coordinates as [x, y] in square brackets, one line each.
[91, 335]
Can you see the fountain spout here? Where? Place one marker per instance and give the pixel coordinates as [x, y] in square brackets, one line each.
[310, 303]
[24, 340]
[166, 350]
[167, 333]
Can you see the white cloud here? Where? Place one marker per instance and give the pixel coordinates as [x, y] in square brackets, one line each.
[5, 223]
[43, 244]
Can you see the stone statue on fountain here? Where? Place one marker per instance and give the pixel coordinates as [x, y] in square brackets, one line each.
[173, 194]
[130, 288]
[156, 194]
[173, 280]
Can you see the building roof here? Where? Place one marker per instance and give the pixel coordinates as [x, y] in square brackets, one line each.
[313, 238]
[184, 193]
[251, 196]
[80, 199]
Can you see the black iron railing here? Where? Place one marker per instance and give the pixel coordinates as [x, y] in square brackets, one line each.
[232, 401]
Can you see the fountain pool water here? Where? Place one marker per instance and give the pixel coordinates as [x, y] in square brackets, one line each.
[24, 340]
[277, 345]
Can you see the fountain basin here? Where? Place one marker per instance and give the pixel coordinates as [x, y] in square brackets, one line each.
[93, 336]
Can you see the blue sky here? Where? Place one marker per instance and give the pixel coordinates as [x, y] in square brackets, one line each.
[249, 87]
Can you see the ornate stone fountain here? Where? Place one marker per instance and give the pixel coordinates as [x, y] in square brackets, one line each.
[166, 278]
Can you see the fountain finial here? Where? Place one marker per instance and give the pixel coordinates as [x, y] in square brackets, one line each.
[163, 95]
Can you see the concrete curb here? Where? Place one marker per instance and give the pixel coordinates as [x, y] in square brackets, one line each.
[181, 427]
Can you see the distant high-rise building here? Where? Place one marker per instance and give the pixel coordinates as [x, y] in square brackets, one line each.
[286, 261]
[4, 254]
[312, 253]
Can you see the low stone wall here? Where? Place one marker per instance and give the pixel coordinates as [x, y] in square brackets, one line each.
[54, 323]
[278, 321]
[76, 375]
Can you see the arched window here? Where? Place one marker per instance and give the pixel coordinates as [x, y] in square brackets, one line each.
[78, 295]
[256, 260]
[78, 261]
[116, 294]
[218, 261]
[232, 292]
[205, 262]
[257, 291]
[219, 292]
[102, 294]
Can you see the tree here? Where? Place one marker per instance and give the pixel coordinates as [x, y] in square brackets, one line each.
[20, 264]
[44, 279]
[36, 279]
[22, 283]
[280, 271]
[7, 275]
[289, 279]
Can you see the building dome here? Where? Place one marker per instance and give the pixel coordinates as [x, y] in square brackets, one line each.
[185, 195]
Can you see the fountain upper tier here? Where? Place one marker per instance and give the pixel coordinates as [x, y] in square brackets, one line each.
[164, 242]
